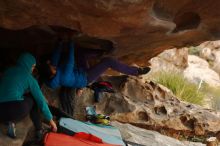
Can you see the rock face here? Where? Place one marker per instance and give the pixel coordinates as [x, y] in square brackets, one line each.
[170, 60]
[149, 138]
[210, 51]
[150, 106]
[203, 66]
[139, 29]
[22, 129]
[198, 70]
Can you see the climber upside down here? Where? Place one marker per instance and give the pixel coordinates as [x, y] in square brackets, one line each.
[69, 74]
[15, 106]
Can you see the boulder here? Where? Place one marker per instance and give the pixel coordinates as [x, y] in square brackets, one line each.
[216, 62]
[203, 67]
[151, 106]
[141, 136]
[170, 60]
[22, 129]
[198, 71]
[210, 51]
[138, 29]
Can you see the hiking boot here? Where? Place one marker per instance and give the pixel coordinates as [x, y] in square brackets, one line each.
[143, 70]
[11, 130]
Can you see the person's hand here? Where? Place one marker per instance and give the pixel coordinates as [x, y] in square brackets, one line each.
[79, 92]
[53, 126]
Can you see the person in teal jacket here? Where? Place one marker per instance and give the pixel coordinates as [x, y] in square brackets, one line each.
[14, 105]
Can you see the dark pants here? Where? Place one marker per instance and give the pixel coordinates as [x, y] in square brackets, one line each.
[94, 72]
[67, 100]
[15, 111]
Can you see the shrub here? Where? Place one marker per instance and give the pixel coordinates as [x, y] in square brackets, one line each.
[194, 51]
[181, 87]
[213, 96]
[216, 102]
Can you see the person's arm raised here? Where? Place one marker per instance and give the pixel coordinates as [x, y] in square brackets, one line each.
[71, 58]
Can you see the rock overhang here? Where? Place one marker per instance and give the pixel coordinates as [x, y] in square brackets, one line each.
[138, 29]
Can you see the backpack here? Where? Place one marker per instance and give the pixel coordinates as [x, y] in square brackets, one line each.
[101, 86]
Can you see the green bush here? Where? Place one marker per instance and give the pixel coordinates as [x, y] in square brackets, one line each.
[182, 88]
[194, 51]
[213, 94]
[216, 102]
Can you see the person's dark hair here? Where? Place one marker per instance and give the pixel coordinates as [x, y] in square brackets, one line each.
[44, 72]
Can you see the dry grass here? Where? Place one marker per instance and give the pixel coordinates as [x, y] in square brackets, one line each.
[181, 87]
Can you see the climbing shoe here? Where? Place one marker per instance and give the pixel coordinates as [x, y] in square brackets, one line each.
[102, 119]
[11, 132]
[101, 116]
[143, 70]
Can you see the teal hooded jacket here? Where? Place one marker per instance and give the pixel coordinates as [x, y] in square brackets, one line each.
[18, 80]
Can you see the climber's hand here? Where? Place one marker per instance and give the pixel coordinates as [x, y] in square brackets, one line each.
[53, 126]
